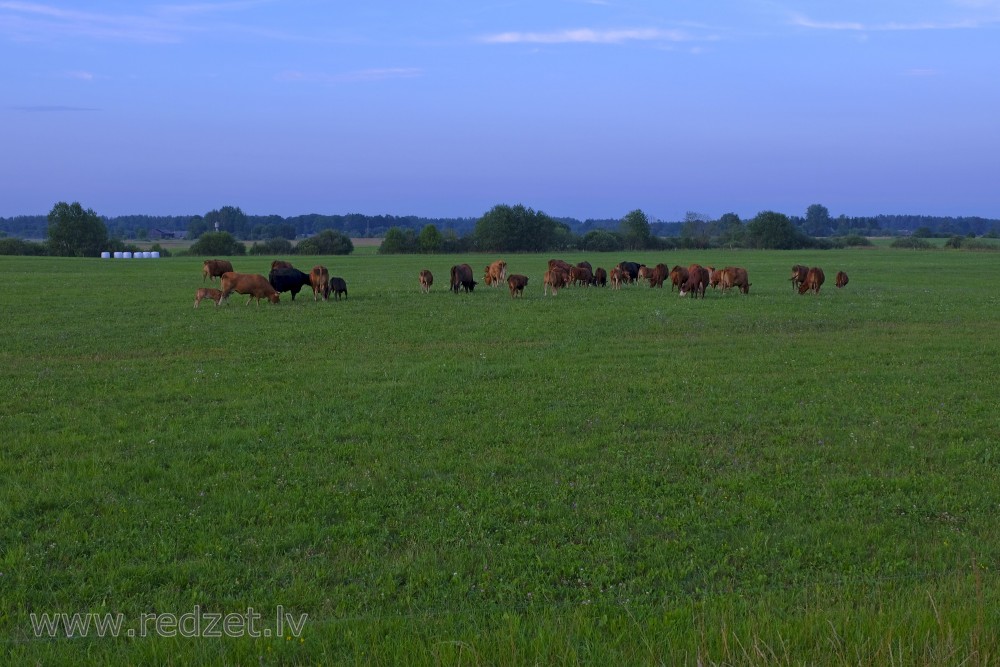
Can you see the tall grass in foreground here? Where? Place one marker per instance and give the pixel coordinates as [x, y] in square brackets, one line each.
[600, 477]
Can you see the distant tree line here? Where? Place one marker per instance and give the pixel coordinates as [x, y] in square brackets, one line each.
[504, 228]
[816, 222]
[519, 229]
[73, 231]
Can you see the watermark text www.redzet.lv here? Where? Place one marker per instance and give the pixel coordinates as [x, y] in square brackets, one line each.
[195, 623]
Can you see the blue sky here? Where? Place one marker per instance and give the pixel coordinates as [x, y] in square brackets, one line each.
[579, 108]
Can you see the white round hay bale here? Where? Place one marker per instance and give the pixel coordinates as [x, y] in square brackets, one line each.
[118, 254]
[146, 254]
[127, 255]
[155, 254]
[105, 255]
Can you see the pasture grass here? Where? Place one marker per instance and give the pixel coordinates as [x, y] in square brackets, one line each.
[603, 477]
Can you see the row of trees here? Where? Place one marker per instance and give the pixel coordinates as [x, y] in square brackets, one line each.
[817, 222]
[77, 232]
[519, 229]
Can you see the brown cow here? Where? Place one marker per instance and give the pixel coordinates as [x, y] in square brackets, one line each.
[207, 293]
[697, 281]
[617, 277]
[814, 280]
[554, 279]
[600, 277]
[735, 276]
[496, 273]
[658, 275]
[517, 283]
[426, 280]
[678, 276]
[841, 279]
[559, 264]
[281, 264]
[319, 278]
[644, 273]
[461, 278]
[798, 275]
[714, 277]
[253, 284]
[581, 275]
[214, 268]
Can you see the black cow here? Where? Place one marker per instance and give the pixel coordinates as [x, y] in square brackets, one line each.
[630, 271]
[338, 287]
[461, 278]
[288, 280]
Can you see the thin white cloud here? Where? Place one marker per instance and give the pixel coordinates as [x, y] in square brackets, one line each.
[590, 36]
[80, 75]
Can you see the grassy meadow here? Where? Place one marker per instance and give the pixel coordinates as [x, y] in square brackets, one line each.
[601, 477]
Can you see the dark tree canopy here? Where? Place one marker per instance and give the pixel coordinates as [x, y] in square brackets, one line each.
[75, 232]
[399, 241]
[217, 243]
[430, 239]
[517, 229]
[774, 231]
[635, 231]
[327, 242]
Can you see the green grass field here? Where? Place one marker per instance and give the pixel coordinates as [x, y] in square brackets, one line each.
[602, 477]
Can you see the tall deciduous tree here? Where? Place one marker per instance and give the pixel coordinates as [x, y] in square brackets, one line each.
[818, 221]
[430, 239]
[517, 228]
[75, 232]
[774, 231]
[635, 230]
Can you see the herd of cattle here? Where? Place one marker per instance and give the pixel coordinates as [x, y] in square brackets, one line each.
[283, 278]
[693, 279]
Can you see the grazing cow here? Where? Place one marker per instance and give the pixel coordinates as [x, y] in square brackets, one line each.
[338, 287]
[714, 277]
[644, 273]
[288, 280]
[841, 279]
[496, 273]
[658, 275]
[581, 275]
[814, 280]
[319, 278]
[617, 277]
[207, 293]
[630, 271]
[254, 284]
[281, 264]
[426, 280]
[560, 264]
[600, 277]
[461, 278]
[798, 275]
[678, 276]
[517, 283]
[554, 279]
[697, 281]
[586, 265]
[735, 276]
[214, 268]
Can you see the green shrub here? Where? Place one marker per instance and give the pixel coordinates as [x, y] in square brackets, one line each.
[913, 242]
